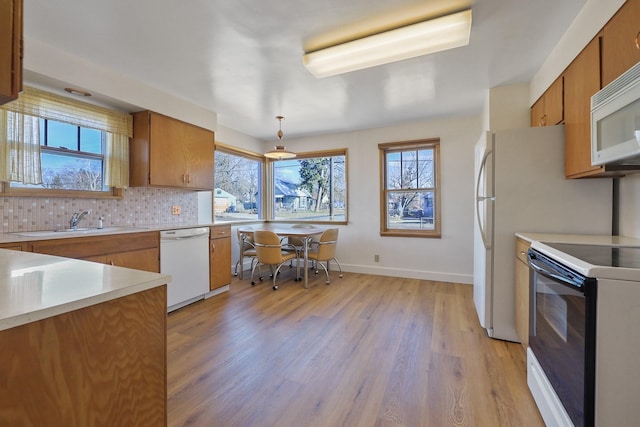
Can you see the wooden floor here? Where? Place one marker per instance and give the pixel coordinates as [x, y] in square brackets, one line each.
[362, 351]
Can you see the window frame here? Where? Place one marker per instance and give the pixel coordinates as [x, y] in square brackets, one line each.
[270, 205]
[402, 146]
[227, 149]
[45, 105]
[46, 148]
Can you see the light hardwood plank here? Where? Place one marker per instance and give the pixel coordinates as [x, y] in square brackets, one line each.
[363, 351]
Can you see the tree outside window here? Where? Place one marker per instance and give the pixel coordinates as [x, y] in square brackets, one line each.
[238, 186]
[311, 187]
[72, 158]
[410, 200]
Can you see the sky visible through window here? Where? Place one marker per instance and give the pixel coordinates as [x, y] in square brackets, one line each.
[68, 166]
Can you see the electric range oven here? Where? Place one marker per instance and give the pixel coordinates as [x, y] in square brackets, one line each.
[584, 344]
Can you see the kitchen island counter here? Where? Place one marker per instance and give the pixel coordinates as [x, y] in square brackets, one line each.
[82, 343]
[35, 286]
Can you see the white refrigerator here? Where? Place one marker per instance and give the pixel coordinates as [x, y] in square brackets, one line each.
[520, 187]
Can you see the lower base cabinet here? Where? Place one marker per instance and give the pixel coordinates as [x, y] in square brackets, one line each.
[220, 256]
[103, 365]
[140, 251]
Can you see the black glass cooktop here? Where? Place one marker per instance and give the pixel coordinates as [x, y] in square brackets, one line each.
[606, 256]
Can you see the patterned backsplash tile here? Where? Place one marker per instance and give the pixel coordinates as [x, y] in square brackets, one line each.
[139, 206]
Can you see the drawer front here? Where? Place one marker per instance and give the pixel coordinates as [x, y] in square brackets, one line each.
[220, 231]
[522, 247]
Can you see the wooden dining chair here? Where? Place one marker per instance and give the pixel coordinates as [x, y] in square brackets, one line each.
[270, 252]
[325, 251]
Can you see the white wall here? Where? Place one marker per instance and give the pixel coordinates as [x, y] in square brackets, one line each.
[508, 107]
[237, 139]
[449, 258]
[55, 65]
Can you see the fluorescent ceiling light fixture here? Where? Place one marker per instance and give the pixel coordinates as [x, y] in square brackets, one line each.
[435, 35]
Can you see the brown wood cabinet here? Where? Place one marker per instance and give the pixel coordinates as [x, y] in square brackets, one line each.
[621, 41]
[522, 292]
[13, 246]
[549, 109]
[104, 364]
[581, 81]
[10, 49]
[140, 251]
[220, 256]
[613, 51]
[166, 152]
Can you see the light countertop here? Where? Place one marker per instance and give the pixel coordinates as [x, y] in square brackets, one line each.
[29, 236]
[35, 286]
[581, 239]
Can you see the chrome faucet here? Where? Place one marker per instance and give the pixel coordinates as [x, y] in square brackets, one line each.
[76, 218]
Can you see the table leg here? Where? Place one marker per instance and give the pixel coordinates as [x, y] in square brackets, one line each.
[306, 241]
[241, 262]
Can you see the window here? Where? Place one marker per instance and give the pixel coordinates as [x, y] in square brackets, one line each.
[71, 158]
[410, 199]
[237, 195]
[311, 187]
[55, 146]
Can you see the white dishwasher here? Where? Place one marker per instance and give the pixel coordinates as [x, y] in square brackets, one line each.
[184, 254]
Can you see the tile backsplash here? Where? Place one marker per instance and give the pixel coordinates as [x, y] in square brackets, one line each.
[139, 206]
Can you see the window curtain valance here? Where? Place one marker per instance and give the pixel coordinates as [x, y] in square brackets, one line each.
[38, 103]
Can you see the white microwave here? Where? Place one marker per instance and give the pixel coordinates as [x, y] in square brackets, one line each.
[615, 121]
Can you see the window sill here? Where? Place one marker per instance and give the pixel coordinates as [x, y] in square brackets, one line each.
[115, 193]
[411, 233]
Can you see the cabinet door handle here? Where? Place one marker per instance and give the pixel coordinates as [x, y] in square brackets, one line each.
[188, 179]
[638, 40]
[213, 247]
[111, 262]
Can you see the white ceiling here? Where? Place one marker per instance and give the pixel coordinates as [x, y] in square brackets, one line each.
[243, 58]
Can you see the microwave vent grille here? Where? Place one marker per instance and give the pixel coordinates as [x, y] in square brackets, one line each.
[625, 81]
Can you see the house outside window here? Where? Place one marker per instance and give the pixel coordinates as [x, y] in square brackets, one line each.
[312, 187]
[237, 195]
[410, 188]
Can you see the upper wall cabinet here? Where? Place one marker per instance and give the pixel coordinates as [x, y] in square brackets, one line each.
[10, 49]
[621, 41]
[581, 81]
[613, 51]
[166, 152]
[549, 109]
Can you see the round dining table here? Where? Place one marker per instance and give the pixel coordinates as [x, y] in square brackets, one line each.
[305, 234]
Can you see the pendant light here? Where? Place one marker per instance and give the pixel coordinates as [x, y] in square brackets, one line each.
[280, 152]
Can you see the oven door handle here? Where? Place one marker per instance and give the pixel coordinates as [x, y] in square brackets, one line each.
[563, 277]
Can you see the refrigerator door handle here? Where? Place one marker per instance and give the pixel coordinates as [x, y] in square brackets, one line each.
[480, 199]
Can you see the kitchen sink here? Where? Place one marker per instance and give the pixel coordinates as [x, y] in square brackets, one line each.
[64, 231]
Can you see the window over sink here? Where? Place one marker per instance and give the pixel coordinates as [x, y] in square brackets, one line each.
[54, 146]
[72, 158]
